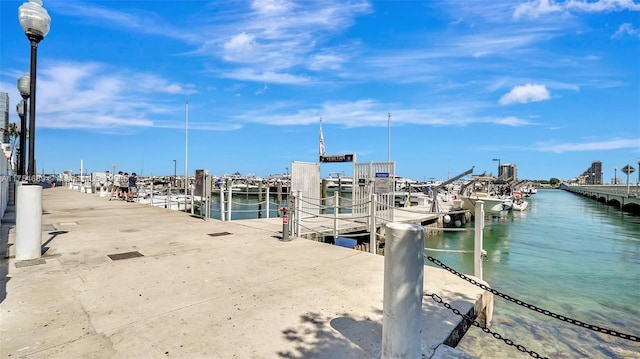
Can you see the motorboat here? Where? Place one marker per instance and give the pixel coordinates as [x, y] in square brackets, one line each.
[482, 188]
[519, 204]
[177, 202]
[339, 180]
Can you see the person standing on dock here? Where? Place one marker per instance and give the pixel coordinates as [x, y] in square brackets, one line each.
[115, 186]
[124, 186]
[133, 187]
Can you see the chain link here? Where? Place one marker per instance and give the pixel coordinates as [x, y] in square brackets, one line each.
[596, 328]
[468, 320]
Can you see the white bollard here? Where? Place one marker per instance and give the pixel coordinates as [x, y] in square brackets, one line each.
[478, 251]
[403, 290]
[29, 222]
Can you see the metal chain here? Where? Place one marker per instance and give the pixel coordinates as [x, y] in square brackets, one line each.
[611, 332]
[510, 342]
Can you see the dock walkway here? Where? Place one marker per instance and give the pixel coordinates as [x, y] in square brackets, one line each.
[126, 280]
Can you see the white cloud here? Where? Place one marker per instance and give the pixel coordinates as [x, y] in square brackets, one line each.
[524, 94]
[537, 8]
[271, 6]
[590, 146]
[96, 96]
[371, 113]
[240, 47]
[626, 29]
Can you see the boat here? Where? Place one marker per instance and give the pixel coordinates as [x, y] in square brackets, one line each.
[483, 188]
[177, 202]
[339, 181]
[519, 204]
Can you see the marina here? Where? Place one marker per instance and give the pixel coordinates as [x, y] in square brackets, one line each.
[164, 283]
[344, 217]
[567, 254]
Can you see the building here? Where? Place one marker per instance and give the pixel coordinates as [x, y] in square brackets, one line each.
[4, 119]
[508, 172]
[593, 175]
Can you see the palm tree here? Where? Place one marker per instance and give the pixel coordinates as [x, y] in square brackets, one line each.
[13, 133]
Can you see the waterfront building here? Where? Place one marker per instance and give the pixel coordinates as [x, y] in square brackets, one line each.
[593, 175]
[508, 172]
[4, 118]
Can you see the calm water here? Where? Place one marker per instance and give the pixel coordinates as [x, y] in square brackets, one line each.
[567, 254]
[245, 206]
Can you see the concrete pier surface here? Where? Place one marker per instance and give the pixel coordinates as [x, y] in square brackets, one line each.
[126, 280]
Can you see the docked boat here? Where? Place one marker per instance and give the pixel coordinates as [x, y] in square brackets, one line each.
[483, 188]
[177, 202]
[339, 181]
[519, 204]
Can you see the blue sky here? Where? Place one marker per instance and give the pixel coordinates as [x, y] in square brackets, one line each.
[547, 85]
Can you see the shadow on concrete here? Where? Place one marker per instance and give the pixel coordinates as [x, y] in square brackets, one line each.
[316, 337]
[53, 234]
[8, 223]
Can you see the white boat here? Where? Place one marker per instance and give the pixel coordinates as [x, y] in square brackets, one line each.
[176, 202]
[494, 205]
[519, 204]
[339, 180]
[483, 189]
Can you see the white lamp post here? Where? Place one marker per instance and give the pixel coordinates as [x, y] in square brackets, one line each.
[24, 87]
[35, 22]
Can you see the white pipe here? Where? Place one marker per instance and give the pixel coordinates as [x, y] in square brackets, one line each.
[336, 209]
[478, 252]
[298, 212]
[29, 222]
[186, 151]
[403, 290]
[268, 200]
[372, 224]
[229, 199]
[222, 201]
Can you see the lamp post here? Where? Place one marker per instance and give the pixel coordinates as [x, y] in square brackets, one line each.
[22, 141]
[615, 176]
[175, 179]
[628, 169]
[25, 91]
[497, 159]
[36, 22]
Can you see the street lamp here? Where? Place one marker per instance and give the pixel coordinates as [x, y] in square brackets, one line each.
[497, 159]
[36, 22]
[23, 87]
[175, 179]
[615, 175]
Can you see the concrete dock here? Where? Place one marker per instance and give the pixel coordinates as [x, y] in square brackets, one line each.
[126, 280]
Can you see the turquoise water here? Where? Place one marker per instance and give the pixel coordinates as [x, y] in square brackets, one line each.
[567, 254]
[245, 206]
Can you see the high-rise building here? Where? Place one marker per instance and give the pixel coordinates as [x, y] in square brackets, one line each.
[4, 120]
[508, 172]
[593, 175]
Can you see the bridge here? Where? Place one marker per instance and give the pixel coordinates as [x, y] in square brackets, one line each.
[623, 197]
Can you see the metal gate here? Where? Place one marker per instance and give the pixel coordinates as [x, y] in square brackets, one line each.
[305, 177]
[364, 178]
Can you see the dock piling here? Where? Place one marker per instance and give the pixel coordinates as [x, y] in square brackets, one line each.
[403, 291]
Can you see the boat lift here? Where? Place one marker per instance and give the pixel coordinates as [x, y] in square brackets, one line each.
[434, 206]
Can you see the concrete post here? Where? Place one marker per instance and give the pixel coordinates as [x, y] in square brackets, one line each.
[478, 252]
[372, 224]
[268, 195]
[297, 214]
[221, 202]
[29, 222]
[229, 198]
[336, 209]
[403, 290]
